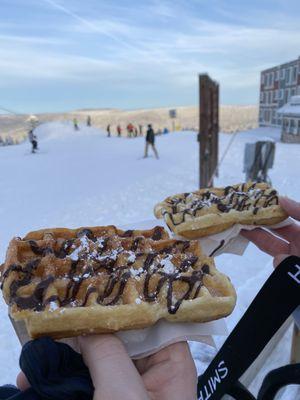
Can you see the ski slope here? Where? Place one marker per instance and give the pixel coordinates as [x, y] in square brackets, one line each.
[81, 178]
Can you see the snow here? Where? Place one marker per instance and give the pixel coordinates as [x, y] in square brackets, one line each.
[291, 108]
[84, 178]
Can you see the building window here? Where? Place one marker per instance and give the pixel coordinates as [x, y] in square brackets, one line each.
[282, 74]
[261, 116]
[286, 95]
[274, 117]
[276, 75]
[293, 129]
[287, 76]
[293, 91]
[281, 94]
[266, 118]
[298, 126]
[294, 74]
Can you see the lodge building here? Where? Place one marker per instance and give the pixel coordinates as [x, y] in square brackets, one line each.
[277, 86]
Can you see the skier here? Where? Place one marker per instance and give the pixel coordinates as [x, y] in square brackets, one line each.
[119, 130]
[33, 140]
[129, 129]
[89, 121]
[135, 131]
[75, 123]
[141, 130]
[150, 138]
[108, 130]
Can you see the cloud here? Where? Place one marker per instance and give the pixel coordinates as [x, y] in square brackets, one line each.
[35, 40]
[155, 44]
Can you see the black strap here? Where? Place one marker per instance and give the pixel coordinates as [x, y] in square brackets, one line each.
[274, 303]
[239, 392]
[278, 378]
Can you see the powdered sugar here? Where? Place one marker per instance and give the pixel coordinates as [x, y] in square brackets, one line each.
[136, 272]
[167, 266]
[53, 306]
[100, 242]
[84, 247]
[131, 257]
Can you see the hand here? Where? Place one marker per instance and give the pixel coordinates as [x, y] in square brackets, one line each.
[168, 374]
[283, 242]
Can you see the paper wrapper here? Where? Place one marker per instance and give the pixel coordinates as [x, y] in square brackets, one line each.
[143, 342]
[228, 241]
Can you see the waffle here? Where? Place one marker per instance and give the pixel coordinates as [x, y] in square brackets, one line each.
[65, 283]
[208, 211]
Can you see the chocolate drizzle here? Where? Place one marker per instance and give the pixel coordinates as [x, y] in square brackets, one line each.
[35, 301]
[239, 198]
[157, 234]
[217, 248]
[92, 263]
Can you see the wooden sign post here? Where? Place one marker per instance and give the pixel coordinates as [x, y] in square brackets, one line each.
[208, 130]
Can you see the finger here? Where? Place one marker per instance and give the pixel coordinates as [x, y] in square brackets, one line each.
[267, 242]
[22, 382]
[108, 363]
[172, 374]
[292, 207]
[289, 232]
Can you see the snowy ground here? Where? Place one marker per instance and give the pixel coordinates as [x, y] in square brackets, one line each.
[84, 178]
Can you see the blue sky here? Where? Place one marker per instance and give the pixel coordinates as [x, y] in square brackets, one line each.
[58, 55]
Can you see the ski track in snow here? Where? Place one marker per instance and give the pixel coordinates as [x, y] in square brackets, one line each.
[84, 178]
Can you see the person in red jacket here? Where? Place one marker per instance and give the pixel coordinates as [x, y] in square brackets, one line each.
[130, 129]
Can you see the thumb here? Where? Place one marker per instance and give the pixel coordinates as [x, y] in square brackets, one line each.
[22, 382]
[292, 207]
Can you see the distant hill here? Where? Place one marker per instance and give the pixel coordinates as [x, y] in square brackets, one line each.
[232, 118]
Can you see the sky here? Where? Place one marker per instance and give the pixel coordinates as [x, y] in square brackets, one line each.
[60, 55]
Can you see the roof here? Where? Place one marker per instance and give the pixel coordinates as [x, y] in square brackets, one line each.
[279, 66]
[291, 108]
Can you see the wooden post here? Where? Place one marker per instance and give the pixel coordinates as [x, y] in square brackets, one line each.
[208, 130]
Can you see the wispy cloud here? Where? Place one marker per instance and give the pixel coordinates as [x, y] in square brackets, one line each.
[33, 40]
[159, 45]
[89, 24]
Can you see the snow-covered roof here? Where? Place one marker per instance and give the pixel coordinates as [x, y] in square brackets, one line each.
[291, 108]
